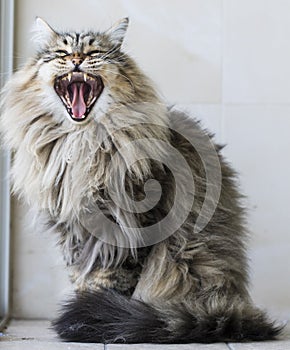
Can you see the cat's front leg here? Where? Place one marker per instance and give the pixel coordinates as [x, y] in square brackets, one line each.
[118, 278]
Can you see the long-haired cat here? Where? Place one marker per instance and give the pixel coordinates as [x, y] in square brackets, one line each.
[147, 211]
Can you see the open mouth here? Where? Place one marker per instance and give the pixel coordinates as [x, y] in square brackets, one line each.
[79, 92]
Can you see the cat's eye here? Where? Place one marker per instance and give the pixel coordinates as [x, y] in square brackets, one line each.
[62, 53]
[95, 53]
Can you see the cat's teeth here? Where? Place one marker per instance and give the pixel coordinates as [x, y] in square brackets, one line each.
[93, 100]
[85, 76]
[69, 76]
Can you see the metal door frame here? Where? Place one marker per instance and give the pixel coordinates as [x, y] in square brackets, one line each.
[6, 65]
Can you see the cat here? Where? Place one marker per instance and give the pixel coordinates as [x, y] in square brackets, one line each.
[146, 208]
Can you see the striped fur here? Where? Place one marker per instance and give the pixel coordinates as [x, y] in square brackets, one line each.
[186, 286]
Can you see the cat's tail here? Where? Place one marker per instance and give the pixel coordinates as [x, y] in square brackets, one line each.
[108, 317]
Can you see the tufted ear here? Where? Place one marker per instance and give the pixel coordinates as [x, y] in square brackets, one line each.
[42, 32]
[117, 31]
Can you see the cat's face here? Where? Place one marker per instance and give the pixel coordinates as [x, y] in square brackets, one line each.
[79, 66]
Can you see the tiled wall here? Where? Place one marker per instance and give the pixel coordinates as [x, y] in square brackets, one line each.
[228, 62]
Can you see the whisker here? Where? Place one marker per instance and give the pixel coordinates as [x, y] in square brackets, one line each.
[124, 76]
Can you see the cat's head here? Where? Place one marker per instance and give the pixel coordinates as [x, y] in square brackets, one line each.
[81, 67]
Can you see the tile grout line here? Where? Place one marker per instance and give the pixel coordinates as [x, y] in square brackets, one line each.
[222, 48]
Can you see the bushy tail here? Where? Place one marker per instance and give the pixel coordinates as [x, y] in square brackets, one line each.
[108, 317]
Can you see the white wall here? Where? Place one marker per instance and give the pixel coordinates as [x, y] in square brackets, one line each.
[227, 61]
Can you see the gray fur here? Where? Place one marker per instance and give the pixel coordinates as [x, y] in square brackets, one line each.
[191, 281]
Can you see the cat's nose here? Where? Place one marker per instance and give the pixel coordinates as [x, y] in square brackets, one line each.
[77, 61]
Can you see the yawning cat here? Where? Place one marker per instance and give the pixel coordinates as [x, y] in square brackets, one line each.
[147, 210]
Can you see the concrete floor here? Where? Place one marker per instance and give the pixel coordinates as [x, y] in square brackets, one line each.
[36, 335]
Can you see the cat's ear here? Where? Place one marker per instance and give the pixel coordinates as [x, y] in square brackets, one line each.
[117, 31]
[42, 32]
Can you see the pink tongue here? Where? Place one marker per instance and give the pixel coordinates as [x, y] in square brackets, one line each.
[78, 103]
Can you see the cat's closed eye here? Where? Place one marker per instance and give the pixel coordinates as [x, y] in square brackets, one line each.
[94, 53]
[62, 53]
